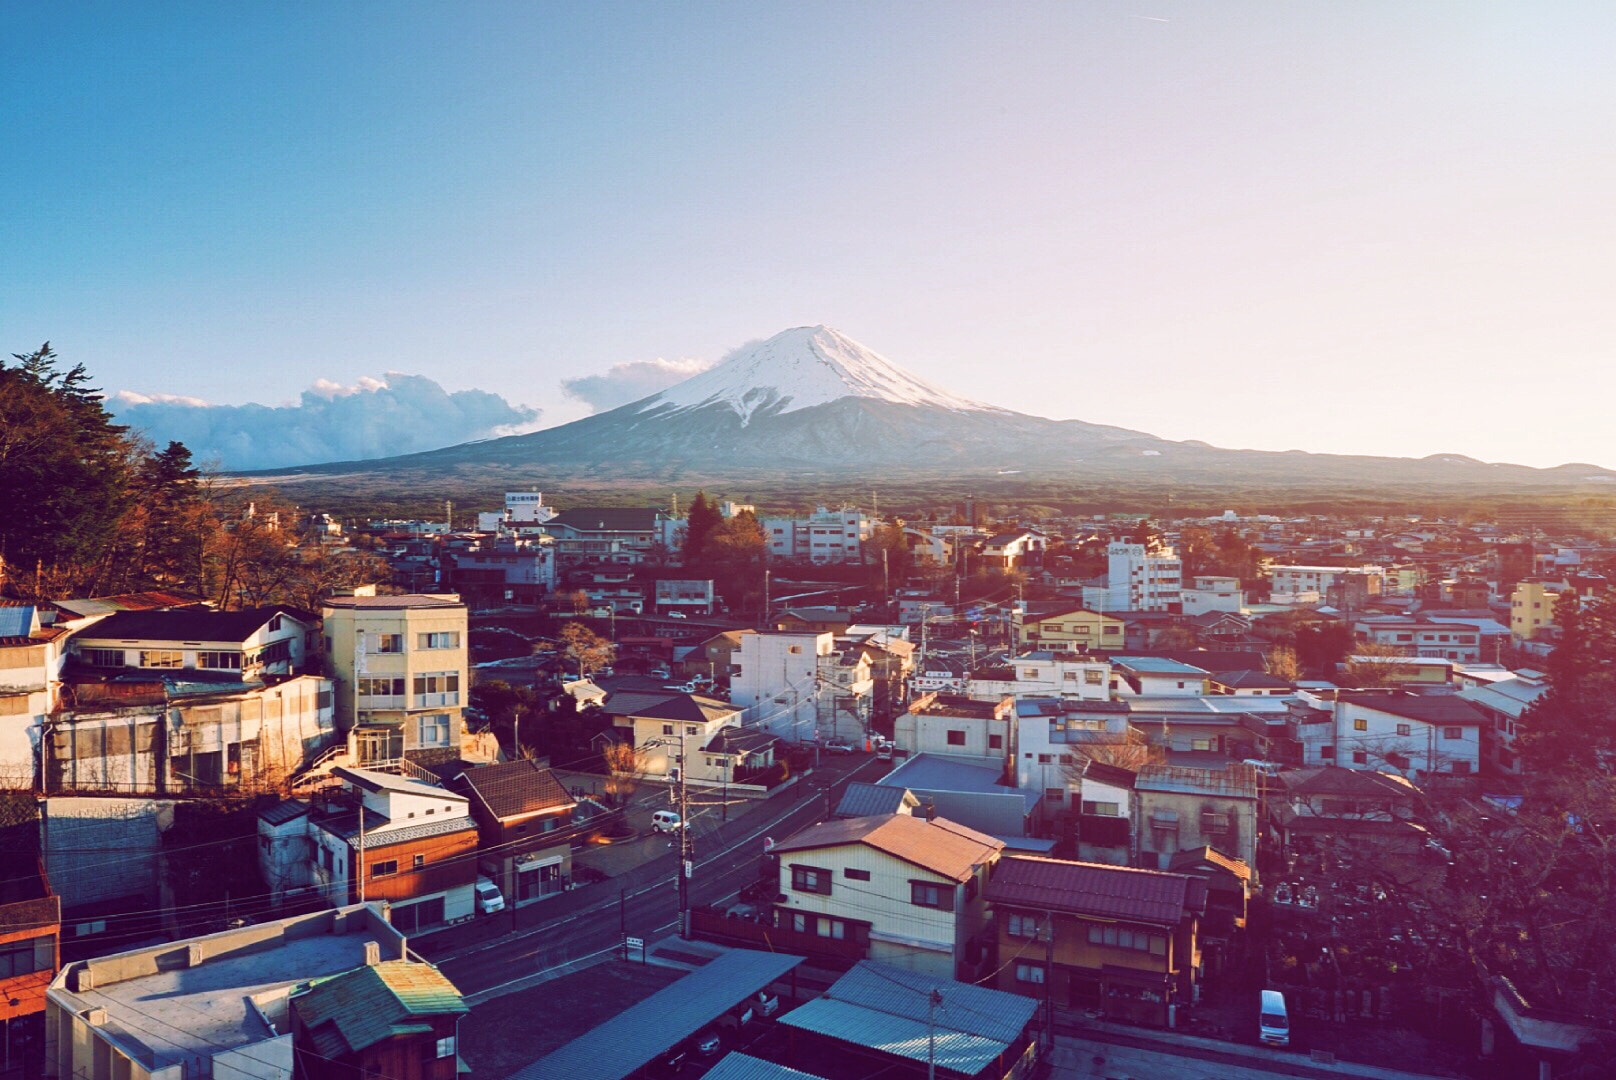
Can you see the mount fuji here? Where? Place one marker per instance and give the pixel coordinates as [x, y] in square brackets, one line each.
[811, 401]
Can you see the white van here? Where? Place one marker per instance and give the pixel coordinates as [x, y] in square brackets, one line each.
[666, 821]
[1274, 1024]
[489, 898]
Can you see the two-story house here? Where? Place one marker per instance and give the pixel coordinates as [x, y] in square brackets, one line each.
[908, 887]
[30, 947]
[524, 816]
[1417, 735]
[1090, 936]
[1072, 628]
[1181, 808]
[1363, 808]
[673, 727]
[398, 1019]
[1039, 671]
[249, 644]
[405, 841]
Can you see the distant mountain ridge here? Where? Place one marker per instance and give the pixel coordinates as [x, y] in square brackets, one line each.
[812, 401]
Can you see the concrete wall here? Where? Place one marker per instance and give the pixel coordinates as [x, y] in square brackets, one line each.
[103, 849]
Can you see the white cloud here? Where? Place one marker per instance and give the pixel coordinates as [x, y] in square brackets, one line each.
[630, 381]
[401, 414]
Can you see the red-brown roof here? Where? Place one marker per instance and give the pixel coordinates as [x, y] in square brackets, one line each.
[944, 847]
[1113, 892]
[516, 789]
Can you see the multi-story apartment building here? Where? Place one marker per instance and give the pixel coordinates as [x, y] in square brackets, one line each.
[502, 571]
[1290, 579]
[1531, 608]
[624, 535]
[1140, 578]
[399, 663]
[1413, 636]
[775, 678]
[823, 537]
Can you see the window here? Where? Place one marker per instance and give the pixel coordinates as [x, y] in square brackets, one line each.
[1030, 973]
[856, 875]
[794, 650]
[1404, 729]
[417, 861]
[927, 894]
[435, 730]
[1360, 757]
[995, 742]
[389, 643]
[1093, 678]
[438, 682]
[1360, 724]
[161, 658]
[1054, 794]
[810, 879]
[1102, 809]
[1453, 733]
[1461, 768]
[1017, 925]
[1201, 744]
[1123, 938]
[1214, 822]
[956, 738]
[218, 661]
[832, 928]
[1327, 753]
[384, 869]
[1046, 759]
[102, 657]
[667, 729]
[445, 639]
[27, 956]
[374, 687]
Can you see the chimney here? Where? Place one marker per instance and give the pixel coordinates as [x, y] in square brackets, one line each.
[373, 953]
[931, 810]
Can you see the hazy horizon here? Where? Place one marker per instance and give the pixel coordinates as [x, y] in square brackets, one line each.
[1376, 229]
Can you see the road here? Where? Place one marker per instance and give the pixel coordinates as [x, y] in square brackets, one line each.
[582, 926]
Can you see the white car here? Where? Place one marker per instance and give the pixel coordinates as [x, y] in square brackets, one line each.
[677, 615]
[489, 898]
[666, 821]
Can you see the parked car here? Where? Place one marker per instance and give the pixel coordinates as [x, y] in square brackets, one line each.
[666, 821]
[738, 1017]
[708, 1043]
[838, 746]
[489, 898]
[1274, 1023]
[677, 615]
[767, 1004]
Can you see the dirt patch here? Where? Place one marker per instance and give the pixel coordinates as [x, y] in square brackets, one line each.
[501, 1036]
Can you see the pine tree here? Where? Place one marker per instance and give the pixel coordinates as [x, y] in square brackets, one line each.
[704, 521]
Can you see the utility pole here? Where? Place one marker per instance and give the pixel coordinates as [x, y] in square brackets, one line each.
[360, 868]
[766, 576]
[686, 863]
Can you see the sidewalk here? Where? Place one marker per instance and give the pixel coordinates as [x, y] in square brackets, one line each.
[1273, 1060]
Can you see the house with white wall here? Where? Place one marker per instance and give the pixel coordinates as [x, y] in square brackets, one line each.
[1040, 673]
[910, 888]
[1415, 735]
[956, 726]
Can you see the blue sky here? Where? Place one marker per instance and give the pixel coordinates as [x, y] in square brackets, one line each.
[1376, 227]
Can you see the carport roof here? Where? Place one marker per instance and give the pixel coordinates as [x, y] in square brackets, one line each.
[738, 1066]
[639, 1033]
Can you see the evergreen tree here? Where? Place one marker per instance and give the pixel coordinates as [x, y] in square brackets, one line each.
[1576, 719]
[704, 521]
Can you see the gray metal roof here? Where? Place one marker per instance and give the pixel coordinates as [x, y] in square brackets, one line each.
[16, 620]
[738, 1066]
[885, 1008]
[636, 1035]
[864, 800]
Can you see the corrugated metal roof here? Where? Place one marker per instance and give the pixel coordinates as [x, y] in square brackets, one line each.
[283, 811]
[1115, 892]
[885, 1008]
[738, 1066]
[863, 799]
[16, 620]
[359, 1008]
[639, 1033]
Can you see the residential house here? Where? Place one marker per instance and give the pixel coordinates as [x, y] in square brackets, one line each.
[1182, 808]
[400, 665]
[1503, 703]
[1213, 595]
[1249, 684]
[249, 644]
[716, 656]
[1414, 636]
[415, 847]
[398, 1019]
[1157, 676]
[1043, 673]
[1072, 628]
[32, 657]
[30, 942]
[1358, 808]
[1235, 727]
[814, 620]
[1014, 550]
[1106, 811]
[1116, 940]
[493, 572]
[620, 535]
[216, 1005]
[669, 727]
[524, 817]
[1417, 735]
[688, 596]
[846, 691]
[956, 726]
[1291, 580]
[1228, 893]
[908, 888]
[861, 799]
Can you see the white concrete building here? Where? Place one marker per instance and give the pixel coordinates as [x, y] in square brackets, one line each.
[1214, 594]
[956, 727]
[1042, 673]
[1140, 579]
[823, 537]
[1285, 580]
[776, 680]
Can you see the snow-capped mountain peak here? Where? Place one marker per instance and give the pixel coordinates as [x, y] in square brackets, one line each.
[798, 369]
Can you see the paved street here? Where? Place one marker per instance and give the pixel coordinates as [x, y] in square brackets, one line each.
[489, 957]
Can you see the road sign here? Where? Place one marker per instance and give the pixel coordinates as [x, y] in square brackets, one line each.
[636, 943]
